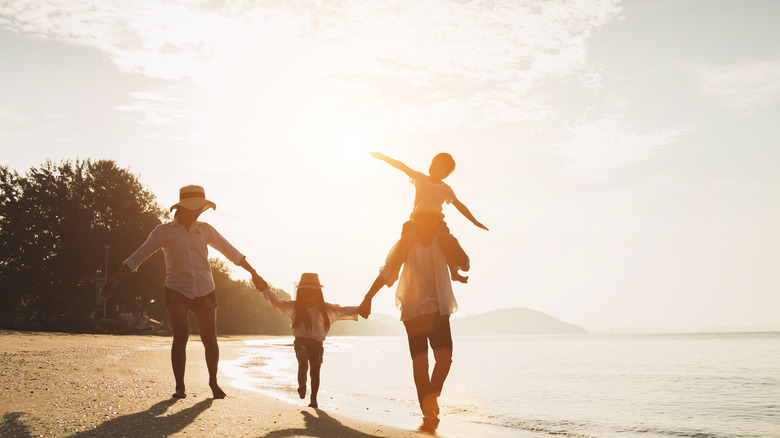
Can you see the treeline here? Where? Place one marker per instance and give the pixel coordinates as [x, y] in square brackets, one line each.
[60, 224]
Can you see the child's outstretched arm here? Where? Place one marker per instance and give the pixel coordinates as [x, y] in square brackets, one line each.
[284, 307]
[465, 212]
[395, 163]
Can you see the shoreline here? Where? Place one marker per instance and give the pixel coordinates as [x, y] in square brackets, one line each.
[58, 384]
[268, 365]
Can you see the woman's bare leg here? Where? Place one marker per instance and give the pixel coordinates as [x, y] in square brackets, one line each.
[207, 325]
[179, 314]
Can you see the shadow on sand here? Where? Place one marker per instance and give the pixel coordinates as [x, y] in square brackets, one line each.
[12, 426]
[149, 423]
[322, 425]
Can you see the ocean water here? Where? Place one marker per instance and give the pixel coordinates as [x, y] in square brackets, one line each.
[662, 385]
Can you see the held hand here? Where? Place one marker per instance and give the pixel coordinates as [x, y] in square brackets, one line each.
[259, 283]
[365, 308]
[108, 289]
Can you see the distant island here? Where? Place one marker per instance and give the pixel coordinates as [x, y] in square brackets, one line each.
[515, 321]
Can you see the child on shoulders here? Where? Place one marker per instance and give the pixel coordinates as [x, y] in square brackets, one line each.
[432, 190]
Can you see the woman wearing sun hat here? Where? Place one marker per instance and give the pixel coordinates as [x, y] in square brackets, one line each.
[189, 285]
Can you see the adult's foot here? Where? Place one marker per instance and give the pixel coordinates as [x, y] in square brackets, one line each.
[180, 392]
[313, 403]
[216, 391]
[457, 277]
[429, 425]
[302, 391]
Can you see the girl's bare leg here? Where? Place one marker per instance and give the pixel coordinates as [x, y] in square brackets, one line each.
[303, 367]
[315, 382]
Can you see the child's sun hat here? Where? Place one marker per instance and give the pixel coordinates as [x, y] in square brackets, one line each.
[309, 280]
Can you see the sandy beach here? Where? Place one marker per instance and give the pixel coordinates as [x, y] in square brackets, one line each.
[56, 384]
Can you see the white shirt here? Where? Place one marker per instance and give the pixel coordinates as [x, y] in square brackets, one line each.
[187, 268]
[424, 286]
[317, 330]
[425, 190]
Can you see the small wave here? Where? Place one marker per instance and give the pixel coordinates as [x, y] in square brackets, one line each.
[673, 433]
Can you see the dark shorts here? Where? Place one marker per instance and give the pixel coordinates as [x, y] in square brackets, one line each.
[308, 348]
[433, 328]
[198, 303]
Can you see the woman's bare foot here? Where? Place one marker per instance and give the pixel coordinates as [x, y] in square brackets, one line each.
[180, 392]
[302, 391]
[216, 391]
[313, 403]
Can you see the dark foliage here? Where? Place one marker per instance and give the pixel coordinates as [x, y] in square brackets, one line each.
[55, 223]
[242, 308]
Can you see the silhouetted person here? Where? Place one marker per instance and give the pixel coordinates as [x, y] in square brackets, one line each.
[424, 296]
[433, 190]
[189, 285]
[311, 320]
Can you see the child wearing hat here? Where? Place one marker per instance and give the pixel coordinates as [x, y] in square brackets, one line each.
[432, 191]
[311, 320]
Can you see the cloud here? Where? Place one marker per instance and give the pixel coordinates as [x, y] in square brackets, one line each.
[8, 116]
[744, 86]
[471, 63]
[157, 107]
[612, 142]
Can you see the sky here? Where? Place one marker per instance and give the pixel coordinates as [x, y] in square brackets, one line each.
[623, 153]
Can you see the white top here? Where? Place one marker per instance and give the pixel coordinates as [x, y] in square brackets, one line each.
[425, 190]
[187, 268]
[424, 286]
[318, 331]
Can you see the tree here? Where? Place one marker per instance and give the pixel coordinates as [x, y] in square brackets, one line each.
[242, 308]
[55, 223]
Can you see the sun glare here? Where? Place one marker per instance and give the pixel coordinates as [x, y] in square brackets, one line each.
[353, 147]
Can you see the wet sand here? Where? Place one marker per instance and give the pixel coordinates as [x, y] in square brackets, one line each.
[65, 385]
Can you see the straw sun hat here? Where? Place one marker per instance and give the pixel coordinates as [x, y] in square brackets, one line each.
[193, 197]
[309, 280]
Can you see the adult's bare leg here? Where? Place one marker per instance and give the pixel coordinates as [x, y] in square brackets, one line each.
[207, 325]
[441, 344]
[179, 314]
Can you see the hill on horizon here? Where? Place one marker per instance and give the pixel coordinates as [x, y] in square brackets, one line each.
[513, 321]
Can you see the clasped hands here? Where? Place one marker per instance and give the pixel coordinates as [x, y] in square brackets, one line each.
[365, 308]
[259, 283]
